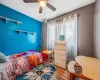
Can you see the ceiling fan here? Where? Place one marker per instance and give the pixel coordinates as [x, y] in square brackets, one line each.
[42, 3]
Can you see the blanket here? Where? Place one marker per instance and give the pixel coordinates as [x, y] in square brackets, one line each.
[19, 64]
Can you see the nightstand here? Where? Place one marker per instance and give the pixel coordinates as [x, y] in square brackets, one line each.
[46, 55]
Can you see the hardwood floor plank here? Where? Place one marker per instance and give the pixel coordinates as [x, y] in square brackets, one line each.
[60, 74]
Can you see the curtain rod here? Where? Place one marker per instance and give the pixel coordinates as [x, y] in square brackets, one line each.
[61, 18]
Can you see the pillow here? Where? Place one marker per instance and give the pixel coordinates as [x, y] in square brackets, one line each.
[30, 52]
[17, 55]
[71, 66]
[22, 54]
[3, 58]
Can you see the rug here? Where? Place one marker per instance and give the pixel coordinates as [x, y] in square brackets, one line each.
[40, 72]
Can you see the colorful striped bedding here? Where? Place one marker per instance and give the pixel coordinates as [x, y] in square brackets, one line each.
[19, 64]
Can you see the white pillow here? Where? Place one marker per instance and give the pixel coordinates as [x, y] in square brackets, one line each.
[71, 66]
[3, 58]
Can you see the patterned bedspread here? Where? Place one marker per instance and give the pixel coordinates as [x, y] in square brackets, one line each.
[19, 64]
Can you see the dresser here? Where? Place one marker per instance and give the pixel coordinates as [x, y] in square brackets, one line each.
[60, 54]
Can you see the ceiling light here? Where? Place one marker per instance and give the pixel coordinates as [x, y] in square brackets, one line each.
[42, 3]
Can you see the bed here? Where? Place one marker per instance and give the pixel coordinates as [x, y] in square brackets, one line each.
[19, 64]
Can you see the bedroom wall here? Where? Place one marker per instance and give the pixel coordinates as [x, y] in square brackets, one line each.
[85, 29]
[44, 35]
[97, 29]
[12, 42]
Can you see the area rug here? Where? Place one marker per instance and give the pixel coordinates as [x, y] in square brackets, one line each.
[40, 72]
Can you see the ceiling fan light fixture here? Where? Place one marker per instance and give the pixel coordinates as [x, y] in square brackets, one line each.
[42, 3]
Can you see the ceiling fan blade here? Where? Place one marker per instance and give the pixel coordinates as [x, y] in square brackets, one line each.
[50, 6]
[30, 1]
[41, 9]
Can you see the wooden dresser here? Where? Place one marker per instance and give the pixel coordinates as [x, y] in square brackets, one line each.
[60, 54]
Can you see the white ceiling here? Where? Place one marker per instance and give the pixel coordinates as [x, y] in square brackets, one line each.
[32, 9]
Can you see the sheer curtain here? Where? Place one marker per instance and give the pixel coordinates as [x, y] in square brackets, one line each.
[51, 37]
[66, 27]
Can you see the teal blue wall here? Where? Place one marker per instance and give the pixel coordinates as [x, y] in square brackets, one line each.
[10, 41]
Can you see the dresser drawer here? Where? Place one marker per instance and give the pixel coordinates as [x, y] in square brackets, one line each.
[60, 47]
[60, 42]
[60, 63]
[60, 52]
[60, 57]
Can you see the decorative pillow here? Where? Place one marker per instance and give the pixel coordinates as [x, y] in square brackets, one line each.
[71, 66]
[13, 56]
[17, 55]
[78, 68]
[3, 58]
[30, 52]
[22, 53]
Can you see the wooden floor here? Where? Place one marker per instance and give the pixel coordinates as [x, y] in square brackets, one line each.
[60, 74]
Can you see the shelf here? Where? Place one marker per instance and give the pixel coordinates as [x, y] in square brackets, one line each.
[26, 32]
[18, 31]
[8, 19]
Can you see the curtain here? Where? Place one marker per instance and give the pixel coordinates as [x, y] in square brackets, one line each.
[51, 37]
[71, 37]
[66, 27]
